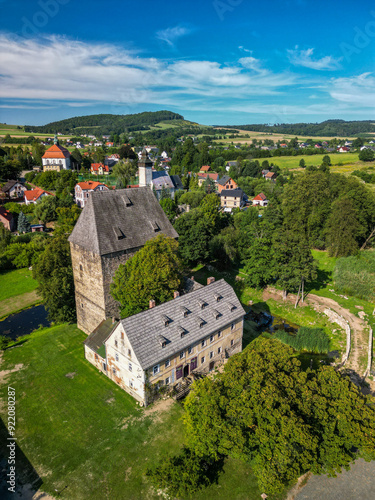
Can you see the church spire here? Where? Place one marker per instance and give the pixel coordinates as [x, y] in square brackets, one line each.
[55, 140]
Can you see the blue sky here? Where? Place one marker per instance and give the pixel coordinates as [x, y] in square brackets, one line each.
[215, 62]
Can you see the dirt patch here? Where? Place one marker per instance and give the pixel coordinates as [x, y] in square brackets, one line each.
[71, 375]
[5, 373]
[160, 406]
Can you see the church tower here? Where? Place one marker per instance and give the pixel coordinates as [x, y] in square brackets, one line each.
[145, 170]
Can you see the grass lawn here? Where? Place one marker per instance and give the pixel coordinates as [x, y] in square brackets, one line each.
[290, 162]
[17, 291]
[83, 433]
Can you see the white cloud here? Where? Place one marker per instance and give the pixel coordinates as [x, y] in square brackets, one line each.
[305, 58]
[357, 90]
[61, 69]
[170, 35]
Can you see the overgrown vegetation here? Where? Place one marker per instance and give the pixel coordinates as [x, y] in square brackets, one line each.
[306, 339]
[355, 275]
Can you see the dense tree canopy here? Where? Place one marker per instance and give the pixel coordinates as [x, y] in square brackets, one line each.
[154, 272]
[265, 410]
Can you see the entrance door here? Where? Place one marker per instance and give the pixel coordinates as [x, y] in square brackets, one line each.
[212, 364]
[186, 370]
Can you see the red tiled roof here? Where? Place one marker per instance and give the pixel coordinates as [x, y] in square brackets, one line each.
[270, 174]
[34, 194]
[205, 168]
[260, 197]
[212, 176]
[96, 166]
[56, 151]
[89, 185]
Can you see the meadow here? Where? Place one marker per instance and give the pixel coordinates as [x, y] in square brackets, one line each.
[17, 291]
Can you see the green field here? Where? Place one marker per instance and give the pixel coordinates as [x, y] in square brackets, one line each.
[84, 436]
[17, 291]
[291, 162]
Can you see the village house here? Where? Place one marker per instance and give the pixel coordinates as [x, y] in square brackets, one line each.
[203, 177]
[56, 158]
[231, 198]
[270, 176]
[99, 169]
[226, 183]
[7, 219]
[261, 200]
[204, 169]
[35, 195]
[13, 189]
[165, 346]
[83, 189]
[156, 180]
[112, 227]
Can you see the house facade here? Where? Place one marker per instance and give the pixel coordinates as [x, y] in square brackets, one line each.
[7, 219]
[56, 158]
[261, 200]
[83, 189]
[99, 169]
[13, 189]
[112, 227]
[170, 343]
[226, 183]
[202, 177]
[231, 198]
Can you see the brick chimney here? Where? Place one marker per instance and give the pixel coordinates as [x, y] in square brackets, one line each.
[192, 278]
[176, 294]
[210, 280]
[152, 303]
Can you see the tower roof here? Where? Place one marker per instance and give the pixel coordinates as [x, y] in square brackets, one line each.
[56, 151]
[113, 221]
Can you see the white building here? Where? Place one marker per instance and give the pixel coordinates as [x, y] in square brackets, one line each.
[56, 158]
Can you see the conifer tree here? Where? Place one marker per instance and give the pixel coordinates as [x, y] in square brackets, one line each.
[23, 224]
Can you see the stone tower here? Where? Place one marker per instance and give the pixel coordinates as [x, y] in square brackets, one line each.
[111, 228]
[145, 170]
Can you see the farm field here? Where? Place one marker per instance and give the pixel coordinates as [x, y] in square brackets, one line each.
[273, 136]
[292, 162]
[84, 436]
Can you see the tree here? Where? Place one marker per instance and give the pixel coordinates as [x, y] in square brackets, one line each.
[195, 234]
[366, 155]
[125, 151]
[165, 193]
[66, 219]
[124, 171]
[169, 207]
[326, 160]
[54, 273]
[23, 224]
[154, 272]
[265, 410]
[5, 237]
[45, 209]
[343, 229]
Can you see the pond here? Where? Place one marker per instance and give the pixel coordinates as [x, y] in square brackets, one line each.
[24, 322]
[265, 322]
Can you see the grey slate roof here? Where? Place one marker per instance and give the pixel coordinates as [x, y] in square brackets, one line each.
[177, 181]
[97, 338]
[145, 329]
[9, 185]
[224, 180]
[112, 221]
[161, 178]
[232, 192]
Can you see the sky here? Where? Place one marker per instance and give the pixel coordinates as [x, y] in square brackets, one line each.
[216, 62]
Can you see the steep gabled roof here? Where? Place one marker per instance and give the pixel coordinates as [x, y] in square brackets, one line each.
[144, 329]
[35, 194]
[113, 221]
[9, 185]
[260, 197]
[232, 193]
[87, 185]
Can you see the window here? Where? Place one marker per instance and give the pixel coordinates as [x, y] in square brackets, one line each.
[212, 338]
[156, 369]
[129, 353]
[116, 357]
[168, 363]
[104, 367]
[116, 343]
[167, 381]
[122, 335]
[232, 342]
[130, 367]
[96, 356]
[203, 343]
[182, 354]
[80, 267]
[203, 359]
[225, 202]
[234, 203]
[131, 384]
[211, 354]
[219, 350]
[218, 334]
[232, 326]
[190, 350]
[114, 371]
[179, 372]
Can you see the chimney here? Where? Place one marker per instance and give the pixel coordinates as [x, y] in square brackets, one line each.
[176, 294]
[152, 303]
[192, 278]
[210, 280]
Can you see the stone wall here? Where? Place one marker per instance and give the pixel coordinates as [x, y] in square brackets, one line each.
[334, 317]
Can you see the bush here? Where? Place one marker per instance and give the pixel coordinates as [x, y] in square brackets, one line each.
[4, 342]
[306, 339]
[355, 275]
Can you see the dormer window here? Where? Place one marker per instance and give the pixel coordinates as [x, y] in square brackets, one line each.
[216, 313]
[200, 322]
[155, 226]
[182, 332]
[119, 233]
[162, 341]
[165, 320]
[184, 311]
[202, 304]
[218, 297]
[231, 306]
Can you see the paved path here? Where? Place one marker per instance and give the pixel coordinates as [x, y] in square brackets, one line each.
[356, 484]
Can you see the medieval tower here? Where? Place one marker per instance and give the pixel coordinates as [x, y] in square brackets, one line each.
[111, 228]
[145, 170]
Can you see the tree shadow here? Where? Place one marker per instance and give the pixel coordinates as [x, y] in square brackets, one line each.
[27, 480]
[321, 281]
[256, 321]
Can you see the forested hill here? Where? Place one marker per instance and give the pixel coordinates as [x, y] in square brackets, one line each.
[329, 128]
[105, 124]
